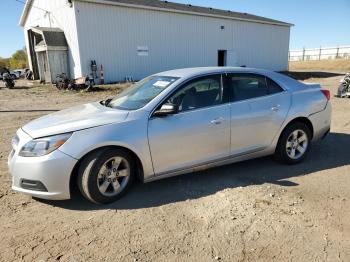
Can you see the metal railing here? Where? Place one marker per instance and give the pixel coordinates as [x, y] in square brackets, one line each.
[321, 53]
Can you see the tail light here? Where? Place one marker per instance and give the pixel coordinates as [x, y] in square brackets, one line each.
[326, 93]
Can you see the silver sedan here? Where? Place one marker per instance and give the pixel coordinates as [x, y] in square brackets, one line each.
[168, 124]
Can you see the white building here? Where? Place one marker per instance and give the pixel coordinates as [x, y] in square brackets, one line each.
[136, 38]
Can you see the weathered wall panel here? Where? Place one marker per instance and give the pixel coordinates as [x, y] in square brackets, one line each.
[59, 15]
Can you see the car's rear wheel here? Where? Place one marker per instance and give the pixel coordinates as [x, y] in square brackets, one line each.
[105, 175]
[294, 143]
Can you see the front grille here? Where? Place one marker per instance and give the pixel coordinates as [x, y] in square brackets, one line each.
[32, 185]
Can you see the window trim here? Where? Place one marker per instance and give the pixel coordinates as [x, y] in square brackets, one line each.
[229, 79]
[283, 89]
[182, 84]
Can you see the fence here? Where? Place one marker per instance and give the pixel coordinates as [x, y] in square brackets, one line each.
[320, 53]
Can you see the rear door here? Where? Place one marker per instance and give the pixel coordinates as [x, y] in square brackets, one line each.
[258, 109]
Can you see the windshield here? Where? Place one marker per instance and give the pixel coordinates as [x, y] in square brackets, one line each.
[141, 93]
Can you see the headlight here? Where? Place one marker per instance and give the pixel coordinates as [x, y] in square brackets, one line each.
[44, 146]
[14, 142]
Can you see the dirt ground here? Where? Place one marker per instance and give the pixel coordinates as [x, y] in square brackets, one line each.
[254, 210]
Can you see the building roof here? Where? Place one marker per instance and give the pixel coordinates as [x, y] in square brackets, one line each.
[175, 7]
[51, 36]
[206, 11]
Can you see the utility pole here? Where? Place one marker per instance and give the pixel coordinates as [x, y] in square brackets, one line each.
[48, 15]
[337, 56]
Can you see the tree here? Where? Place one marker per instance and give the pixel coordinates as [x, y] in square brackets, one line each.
[4, 62]
[19, 59]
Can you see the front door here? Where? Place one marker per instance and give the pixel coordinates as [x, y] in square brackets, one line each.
[258, 110]
[222, 56]
[199, 133]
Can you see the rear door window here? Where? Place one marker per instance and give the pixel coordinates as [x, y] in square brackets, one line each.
[247, 86]
[274, 88]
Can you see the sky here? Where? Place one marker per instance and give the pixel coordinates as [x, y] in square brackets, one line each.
[317, 22]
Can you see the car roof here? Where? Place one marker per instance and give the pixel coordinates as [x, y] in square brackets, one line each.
[287, 82]
[195, 71]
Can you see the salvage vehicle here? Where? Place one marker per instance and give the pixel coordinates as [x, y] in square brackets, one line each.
[168, 124]
[15, 74]
[344, 86]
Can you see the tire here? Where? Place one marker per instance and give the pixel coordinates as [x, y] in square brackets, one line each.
[29, 75]
[9, 85]
[98, 179]
[342, 90]
[298, 137]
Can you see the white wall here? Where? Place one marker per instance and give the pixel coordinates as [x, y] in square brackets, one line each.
[61, 16]
[111, 34]
[261, 45]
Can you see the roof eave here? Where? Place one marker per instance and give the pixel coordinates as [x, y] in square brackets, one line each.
[25, 12]
[186, 12]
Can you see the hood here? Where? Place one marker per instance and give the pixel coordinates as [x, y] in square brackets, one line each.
[73, 119]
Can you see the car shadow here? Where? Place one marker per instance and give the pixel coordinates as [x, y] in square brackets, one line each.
[330, 153]
[300, 75]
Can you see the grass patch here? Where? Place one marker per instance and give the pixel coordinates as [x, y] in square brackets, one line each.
[334, 65]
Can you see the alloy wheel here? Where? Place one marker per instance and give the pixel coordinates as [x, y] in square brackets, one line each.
[113, 176]
[297, 144]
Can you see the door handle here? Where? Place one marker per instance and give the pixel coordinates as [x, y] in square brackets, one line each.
[275, 108]
[217, 121]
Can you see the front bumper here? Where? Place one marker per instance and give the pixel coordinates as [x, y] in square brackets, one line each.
[53, 171]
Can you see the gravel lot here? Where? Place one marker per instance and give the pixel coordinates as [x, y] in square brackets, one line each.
[254, 210]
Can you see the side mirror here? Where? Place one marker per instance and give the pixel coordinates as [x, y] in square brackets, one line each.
[166, 109]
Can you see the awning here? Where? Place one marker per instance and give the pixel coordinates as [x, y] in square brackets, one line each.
[52, 39]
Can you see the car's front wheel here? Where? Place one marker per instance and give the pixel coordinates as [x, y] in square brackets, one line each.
[294, 143]
[105, 175]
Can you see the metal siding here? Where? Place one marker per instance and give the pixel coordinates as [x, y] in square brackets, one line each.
[61, 16]
[110, 35]
[261, 45]
[58, 63]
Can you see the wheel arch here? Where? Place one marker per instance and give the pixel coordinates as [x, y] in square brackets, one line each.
[74, 174]
[300, 119]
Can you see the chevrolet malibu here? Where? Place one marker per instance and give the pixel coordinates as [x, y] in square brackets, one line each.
[168, 124]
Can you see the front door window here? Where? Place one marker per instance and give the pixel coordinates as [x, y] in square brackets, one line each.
[199, 93]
